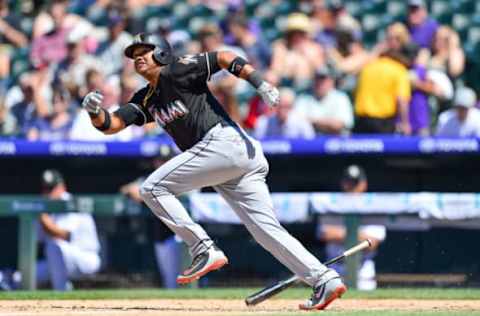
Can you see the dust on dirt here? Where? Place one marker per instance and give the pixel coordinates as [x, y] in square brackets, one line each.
[176, 307]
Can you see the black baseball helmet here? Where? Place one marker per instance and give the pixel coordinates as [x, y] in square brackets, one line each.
[51, 178]
[162, 51]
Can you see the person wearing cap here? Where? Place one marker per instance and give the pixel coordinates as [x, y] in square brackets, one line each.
[332, 231]
[463, 120]
[70, 242]
[422, 28]
[328, 109]
[284, 122]
[296, 56]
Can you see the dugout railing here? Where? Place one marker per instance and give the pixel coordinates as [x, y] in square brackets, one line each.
[435, 209]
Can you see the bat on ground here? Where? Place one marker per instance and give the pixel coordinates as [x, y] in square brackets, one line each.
[278, 287]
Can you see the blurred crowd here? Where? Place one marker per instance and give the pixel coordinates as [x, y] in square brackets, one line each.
[332, 80]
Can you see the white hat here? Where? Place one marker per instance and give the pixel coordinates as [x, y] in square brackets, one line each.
[465, 97]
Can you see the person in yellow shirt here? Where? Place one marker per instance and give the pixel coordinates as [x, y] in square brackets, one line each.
[383, 93]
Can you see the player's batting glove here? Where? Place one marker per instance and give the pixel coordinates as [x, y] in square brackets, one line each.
[92, 102]
[269, 94]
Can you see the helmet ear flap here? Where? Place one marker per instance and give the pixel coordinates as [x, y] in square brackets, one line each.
[162, 56]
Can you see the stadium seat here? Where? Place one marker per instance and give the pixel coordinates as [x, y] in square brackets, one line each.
[375, 7]
[461, 23]
[440, 7]
[463, 6]
[396, 8]
[444, 18]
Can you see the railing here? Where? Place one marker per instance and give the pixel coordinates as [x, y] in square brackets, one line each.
[461, 210]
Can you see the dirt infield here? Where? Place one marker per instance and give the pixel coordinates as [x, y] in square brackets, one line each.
[214, 307]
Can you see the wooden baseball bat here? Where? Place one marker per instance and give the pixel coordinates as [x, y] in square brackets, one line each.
[278, 287]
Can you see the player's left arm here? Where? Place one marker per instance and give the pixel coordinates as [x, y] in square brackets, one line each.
[52, 229]
[241, 68]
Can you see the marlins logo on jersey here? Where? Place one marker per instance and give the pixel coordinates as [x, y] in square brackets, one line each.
[170, 112]
[188, 59]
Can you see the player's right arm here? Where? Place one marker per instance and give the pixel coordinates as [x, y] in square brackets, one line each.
[111, 123]
[101, 118]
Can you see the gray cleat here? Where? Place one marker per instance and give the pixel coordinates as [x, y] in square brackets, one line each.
[325, 292]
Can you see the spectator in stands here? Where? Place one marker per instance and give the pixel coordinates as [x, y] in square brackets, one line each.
[32, 103]
[333, 232]
[110, 51]
[7, 121]
[258, 51]
[343, 19]
[10, 29]
[419, 109]
[464, 119]
[82, 129]
[383, 93]
[349, 56]
[11, 37]
[431, 91]
[284, 122]
[166, 246]
[51, 46]
[422, 28]
[328, 109]
[71, 72]
[95, 80]
[57, 125]
[447, 53]
[397, 37]
[55, 16]
[296, 56]
[71, 245]
[331, 17]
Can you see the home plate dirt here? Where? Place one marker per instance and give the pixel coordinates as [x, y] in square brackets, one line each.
[214, 307]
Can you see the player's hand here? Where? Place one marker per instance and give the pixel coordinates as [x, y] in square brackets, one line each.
[269, 94]
[92, 102]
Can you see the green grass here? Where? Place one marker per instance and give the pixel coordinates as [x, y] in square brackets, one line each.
[238, 293]
[241, 293]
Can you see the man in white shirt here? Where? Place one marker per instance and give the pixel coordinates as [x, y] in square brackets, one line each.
[463, 120]
[284, 122]
[71, 242]
[329, 110]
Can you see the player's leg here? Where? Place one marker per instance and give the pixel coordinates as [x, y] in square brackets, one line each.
[57, 266]
[250, 198]
[203, 165]
[43, 274]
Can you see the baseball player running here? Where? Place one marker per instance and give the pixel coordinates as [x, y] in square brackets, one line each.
[216, 152]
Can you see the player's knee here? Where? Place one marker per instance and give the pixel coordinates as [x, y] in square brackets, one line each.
[145, 190]
[149, 190]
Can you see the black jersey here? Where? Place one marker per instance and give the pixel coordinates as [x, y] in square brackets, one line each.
[181, 103]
